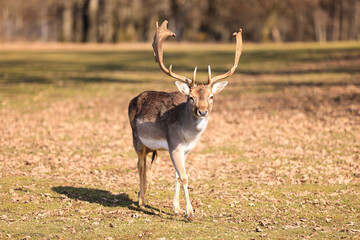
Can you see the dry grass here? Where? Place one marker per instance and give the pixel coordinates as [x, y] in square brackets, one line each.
[279, 159]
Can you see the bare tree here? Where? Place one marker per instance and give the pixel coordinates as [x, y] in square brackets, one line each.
[67, 22]
[106, 21]
[92, 20]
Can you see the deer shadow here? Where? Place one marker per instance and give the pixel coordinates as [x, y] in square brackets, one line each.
[104, 198]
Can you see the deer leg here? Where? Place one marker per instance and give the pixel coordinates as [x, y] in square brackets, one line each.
[142, 175]
[147, 151]
[178, 159]
[177, 209]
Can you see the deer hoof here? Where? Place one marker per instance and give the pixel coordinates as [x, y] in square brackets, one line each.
[142, 203]
[190, 216]
[177, 211]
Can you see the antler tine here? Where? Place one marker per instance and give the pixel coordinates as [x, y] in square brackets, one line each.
[161, 34]
[194, 78]
[209, 74]
[237, 57]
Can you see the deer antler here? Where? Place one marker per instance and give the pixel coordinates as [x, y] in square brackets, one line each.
[162, 33]
[237, 57]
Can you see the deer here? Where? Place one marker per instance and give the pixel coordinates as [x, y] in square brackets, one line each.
[174, 121]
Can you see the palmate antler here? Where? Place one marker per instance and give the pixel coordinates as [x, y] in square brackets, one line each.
[237, 57]
[162, 33]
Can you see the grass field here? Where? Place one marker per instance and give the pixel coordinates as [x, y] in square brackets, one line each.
[280, 158]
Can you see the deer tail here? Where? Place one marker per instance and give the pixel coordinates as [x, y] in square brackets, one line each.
[154, 157]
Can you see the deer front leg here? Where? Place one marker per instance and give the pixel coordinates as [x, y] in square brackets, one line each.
[178, 159]
[177, 209]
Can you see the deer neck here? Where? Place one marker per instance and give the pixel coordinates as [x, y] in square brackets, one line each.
[191, 123]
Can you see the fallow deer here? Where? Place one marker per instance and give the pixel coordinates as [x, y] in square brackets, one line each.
[174, 121]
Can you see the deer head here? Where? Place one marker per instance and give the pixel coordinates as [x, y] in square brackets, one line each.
[200, 96]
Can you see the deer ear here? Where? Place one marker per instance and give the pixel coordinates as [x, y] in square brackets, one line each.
[218, 87]
[183, 87]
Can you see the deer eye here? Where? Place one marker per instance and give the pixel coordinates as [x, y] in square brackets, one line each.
[211, 97]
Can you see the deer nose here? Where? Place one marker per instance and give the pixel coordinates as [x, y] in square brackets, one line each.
[202, 113]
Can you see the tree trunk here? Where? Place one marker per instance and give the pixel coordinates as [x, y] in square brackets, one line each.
[336, 23]
[58, 24]
[108, 26]
[93, 8]
[150, 28]
[353, 20]
[6, 22]
[176, 19]
[300, 27]
[320, 19]
[269, 23]
[44, 25]
[344, 24]
[78, 23]
[67, 23]
[356, 27]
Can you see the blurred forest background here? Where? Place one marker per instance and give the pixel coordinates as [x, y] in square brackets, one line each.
[112, 21]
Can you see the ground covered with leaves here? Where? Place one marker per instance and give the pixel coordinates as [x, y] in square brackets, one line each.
[280, 158]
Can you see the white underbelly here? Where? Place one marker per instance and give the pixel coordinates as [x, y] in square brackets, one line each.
[155, 144]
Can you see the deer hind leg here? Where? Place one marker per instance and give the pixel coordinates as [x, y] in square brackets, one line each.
[141, 152]
[178, 159]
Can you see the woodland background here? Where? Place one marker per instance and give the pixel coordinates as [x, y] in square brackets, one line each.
[112, 21]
